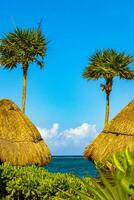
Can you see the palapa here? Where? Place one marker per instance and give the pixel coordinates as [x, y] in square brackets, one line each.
[20, 141]
[116, 137]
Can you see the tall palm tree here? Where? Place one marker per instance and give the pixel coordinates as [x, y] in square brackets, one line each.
[23, 46]
[108, 64]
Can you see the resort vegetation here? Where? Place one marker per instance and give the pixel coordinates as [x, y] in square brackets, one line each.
[21, 144]
[108, 64]
[23, 46]
[34, 183]
[116, 180]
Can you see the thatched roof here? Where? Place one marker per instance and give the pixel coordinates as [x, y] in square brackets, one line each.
[117, 136]
[20, 141]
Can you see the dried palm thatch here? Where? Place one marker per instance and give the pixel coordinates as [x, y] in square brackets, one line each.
[20, 141]
[117, 136]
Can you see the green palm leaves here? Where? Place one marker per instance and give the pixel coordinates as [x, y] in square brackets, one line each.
[108, 64]
[23, 46]
[117, 184]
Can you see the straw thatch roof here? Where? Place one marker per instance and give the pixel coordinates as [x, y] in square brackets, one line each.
[117, 136]
[20, 141]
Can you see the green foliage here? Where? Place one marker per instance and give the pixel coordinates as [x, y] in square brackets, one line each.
[23, 46]
[107, 64]
[123, 170]
[34, 183]
[118, 185]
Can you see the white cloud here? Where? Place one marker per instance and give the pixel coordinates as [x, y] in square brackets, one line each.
[49, 133]
[68, 141]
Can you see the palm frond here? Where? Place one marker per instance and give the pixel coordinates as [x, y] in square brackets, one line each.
[22, 45]
[108, 63]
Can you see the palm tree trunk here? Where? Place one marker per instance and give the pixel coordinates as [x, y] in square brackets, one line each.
[107, 109]
[24, 88]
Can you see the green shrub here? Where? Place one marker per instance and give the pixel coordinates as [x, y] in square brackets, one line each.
[34, 183]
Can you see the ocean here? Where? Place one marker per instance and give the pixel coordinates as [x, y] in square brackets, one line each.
[72, 164]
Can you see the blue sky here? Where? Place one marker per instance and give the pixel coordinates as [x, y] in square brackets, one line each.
[58, 98]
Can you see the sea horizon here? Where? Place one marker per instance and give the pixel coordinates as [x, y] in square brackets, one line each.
[73, 164]
[67, 156]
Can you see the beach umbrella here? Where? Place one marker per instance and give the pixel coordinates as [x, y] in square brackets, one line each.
[116, 136]
[20, 141]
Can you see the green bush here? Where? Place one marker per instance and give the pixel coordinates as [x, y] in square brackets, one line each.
[34, 183]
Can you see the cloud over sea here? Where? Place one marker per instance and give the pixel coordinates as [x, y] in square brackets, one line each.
[70, 141]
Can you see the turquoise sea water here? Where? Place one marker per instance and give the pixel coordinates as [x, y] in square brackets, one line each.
[72, 164]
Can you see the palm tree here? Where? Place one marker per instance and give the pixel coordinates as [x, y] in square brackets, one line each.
[23, 46]
[108, 64]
